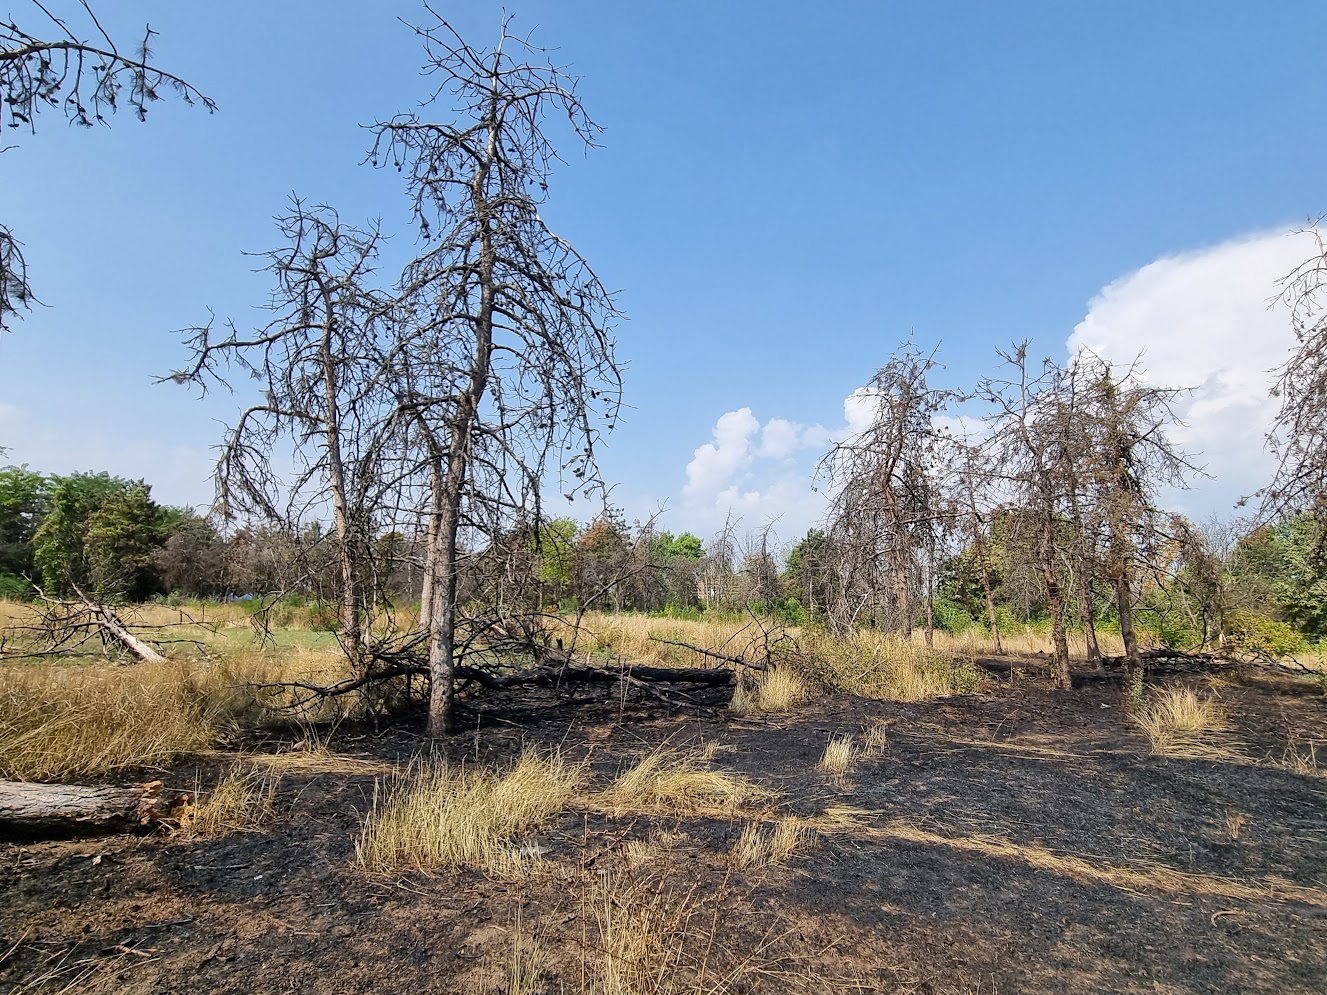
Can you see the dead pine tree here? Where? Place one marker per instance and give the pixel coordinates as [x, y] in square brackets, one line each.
[886, 498]
[1027, 446]
[1129, 459]
[505, 360]
[1298, 437]
[322, 363]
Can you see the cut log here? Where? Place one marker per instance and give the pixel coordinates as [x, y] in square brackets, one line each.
[50, 811]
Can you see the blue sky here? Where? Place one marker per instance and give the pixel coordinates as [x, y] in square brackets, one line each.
[785, 192]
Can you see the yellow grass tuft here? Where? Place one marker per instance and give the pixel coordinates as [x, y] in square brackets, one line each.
[1180, 723]
[774, 691]
[840, 753]
[760, 847]
[876, 739]
[242, 800]
[437, 817]
[680, 781]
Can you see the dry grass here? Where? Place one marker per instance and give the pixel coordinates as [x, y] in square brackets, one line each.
[242, 800]
[875, 740]
[1301, 759]
[436, 816]
[840, 753]
[1235, 822]
[1179, 722]
[60, 723]
[774, 691]
[680, 781]
[761, 846]
[629, 636]
[887, 667]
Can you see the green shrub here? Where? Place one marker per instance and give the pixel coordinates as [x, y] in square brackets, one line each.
[1260, 634]
[15, 588]
[953, 617]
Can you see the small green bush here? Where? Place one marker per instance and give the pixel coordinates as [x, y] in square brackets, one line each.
[15, 588]
[953, 617]
[1260, 634]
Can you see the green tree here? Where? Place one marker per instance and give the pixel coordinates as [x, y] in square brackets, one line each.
[1288, 559]
[556, 551]
[24, 501]
[121, 542]
[101, 532]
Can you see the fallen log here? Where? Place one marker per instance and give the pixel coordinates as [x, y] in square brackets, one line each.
[49, 811]
[118, 632]
[715, 654]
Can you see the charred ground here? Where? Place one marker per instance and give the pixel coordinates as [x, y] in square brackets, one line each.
[1017, 840]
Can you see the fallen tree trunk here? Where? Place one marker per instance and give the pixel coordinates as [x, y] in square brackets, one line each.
[553, 674]
[48, 811]
[111, 624]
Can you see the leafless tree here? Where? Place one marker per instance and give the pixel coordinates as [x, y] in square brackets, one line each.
[79, 72]
[1028, 444]
[1129, 458]
[886, 497]
[1298, 436]
[322, 363]
[505, 363]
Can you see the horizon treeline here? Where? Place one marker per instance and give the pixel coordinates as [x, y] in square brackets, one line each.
[1222, 584]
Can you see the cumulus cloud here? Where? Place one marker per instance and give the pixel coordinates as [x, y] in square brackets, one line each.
[1203, 319]
[757, 472]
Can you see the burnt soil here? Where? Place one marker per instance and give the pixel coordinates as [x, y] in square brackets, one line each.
[1018, 840]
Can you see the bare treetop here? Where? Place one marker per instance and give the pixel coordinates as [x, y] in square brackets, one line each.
[1298, 437]
[79, 72]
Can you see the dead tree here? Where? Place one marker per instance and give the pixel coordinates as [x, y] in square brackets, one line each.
[1298, 436]
[45, 811]
[62, 626]
[323, 362]
[505, 360]
[885, 504]
[1128, 460]
[1028, 444]
[68, 64]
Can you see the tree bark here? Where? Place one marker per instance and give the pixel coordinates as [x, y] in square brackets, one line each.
[1124, 600]
[1055, 601]
[49, 811]
[1089, 625]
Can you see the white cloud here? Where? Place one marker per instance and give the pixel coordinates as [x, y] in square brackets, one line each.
[1202, 319]
[756, 472]
[779, 438]
[714, 463]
